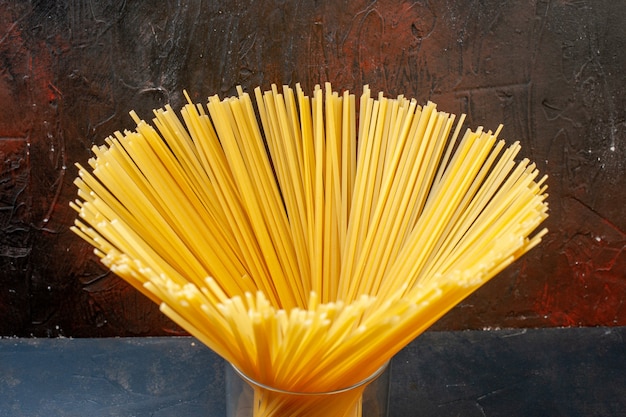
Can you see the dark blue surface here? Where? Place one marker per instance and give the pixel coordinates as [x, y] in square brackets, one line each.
[156, 377]
[543, 372]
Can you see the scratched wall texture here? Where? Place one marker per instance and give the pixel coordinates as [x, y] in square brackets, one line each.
[551, 71]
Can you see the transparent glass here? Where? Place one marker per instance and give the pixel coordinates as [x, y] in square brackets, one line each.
[248, 398]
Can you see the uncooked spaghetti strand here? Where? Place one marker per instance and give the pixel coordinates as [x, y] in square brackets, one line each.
[305, 331]
[223, 205]
[388, 140]
[377, 160]
[203, 138]
[342, 367]
[131, 244]
[404, 111]
[90, 189]
[392, 214]
[428, 176]
[92, 214]
[284, 151]
[293, 122]
[438, 209]
[282, 160]
[362, 278]
[308, 175]
[142, 207]
[502, 244]
[348, 164]
[332, 195]
[184, 149]
[169, 239]
[127, 269]
[508, 235]
[228, 197]
[285, 157]
[185, 211]
[271, 203]
[474, 202]
[234, 312]
[195, 234]
[425, 311]
[326, 346]
[513, 213]
[442, 205]
[357, 225]
[362, 204]
[276, 282]
[300, 225]
[419, 178]
[220, 184]
[477, 143]
[219, 347]
[443, 163]
[451, 291]
[81, 230]
[349, 288]
[166, 165]
[318, 220]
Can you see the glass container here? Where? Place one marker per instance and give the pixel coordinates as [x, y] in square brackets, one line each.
[248, 398]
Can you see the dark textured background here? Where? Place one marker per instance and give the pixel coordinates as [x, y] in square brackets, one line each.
[552, 71]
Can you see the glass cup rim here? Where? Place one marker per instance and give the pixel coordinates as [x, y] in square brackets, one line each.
[361, 383]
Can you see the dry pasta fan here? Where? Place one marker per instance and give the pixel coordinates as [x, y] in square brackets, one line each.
[308, 240]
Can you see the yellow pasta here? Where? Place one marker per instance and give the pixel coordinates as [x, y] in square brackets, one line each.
[304, 244]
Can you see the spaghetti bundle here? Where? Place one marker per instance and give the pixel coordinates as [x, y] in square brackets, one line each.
[307, 240]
